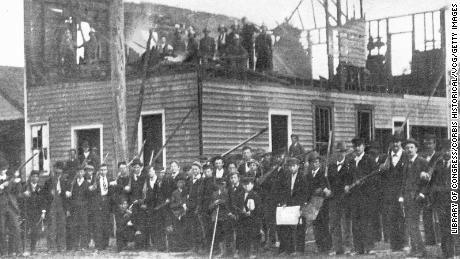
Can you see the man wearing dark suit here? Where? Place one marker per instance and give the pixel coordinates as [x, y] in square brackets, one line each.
[320, 188]
[92, 204]
[293, 190]
[56, 208]
[235, 190]
[440, 191]
[249, 207]
[178, 208]
[414, 190]
[392, 180]
[264, 51]
[136, 195]
[338, 203]
[10, 187]
[244, 168]
[72, 165]
[296, 150]
[247, 40]
[219, 170]
[34, 208]
[430, 155]
[195, 209]
[207, 47]
[360, 165]
[101, 189]
[78, 198]
[88, 156]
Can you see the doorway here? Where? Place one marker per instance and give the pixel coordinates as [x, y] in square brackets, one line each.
[90, 134]
[153, 134]
[279, 133]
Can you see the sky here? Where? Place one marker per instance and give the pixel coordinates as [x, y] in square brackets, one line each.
[269, 12]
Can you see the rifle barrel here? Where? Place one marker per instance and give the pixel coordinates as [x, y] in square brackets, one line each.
[244, 142]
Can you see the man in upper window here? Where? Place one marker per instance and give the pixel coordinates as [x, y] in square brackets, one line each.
[92, 49]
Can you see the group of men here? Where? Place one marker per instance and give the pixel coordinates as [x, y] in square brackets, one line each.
[237, 47]
[233, 204]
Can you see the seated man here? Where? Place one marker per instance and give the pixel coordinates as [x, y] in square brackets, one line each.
[125, 227]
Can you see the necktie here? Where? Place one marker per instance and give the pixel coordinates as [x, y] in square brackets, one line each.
[104, 183]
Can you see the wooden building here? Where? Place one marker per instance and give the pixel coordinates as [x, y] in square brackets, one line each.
[65, 110]
[12, 115]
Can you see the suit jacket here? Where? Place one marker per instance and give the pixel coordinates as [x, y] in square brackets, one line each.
[365, 166]
[8, 196]
[337, 177]
[178, 199]
[441, 183]
[234, 193]
[392, 178]
[225, 175]
[137, 185]
[35, 203]
[300, 193]
[80, 194]
[50, 192]
[296, 150]
[255, 216]
[195, 195]
[242, 169]
[412, 184]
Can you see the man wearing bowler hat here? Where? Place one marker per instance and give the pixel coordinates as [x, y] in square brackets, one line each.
[293, 190]
[360, 165]
[392, 178]
[339, 204]
[415, 179]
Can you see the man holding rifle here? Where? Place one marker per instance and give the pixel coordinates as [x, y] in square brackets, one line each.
[360, 165]
[10, 187]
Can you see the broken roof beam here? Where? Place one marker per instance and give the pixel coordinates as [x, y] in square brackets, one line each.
[327, 11]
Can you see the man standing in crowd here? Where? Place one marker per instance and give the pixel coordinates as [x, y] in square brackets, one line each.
[219, 171]
[338, 204]
[360, 165]
[296, 150]
[413, 191]
[392, 179]
[319, 187]
[78, 198]
[56, 208]
[293, 190]
[430, 155]
[100, 190]
[247, 40]
[244, 168]
[221, 40]
[10, 187]
[35, 208]
[440, 191]
[196, 233]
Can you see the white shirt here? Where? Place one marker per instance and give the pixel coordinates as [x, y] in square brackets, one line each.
[3, 177]
[413, 159]
[219, 173]
[58, 185]
[80, 181]
[358, 158]
[428, 158]
[152, 181]
[104, 185]
[34, 187]
[314, 172]
[293, 178]
[86, 154]
[246, 195]
[395, 157]
[340, 164]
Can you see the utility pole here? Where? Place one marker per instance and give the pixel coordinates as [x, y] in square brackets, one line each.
[118, 80]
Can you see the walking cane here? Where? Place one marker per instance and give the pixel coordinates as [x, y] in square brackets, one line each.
[214, 233]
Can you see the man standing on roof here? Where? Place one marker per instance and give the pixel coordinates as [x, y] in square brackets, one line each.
[264, 51]
[207, 47]
[247, 40]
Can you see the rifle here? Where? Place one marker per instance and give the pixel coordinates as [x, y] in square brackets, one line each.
[138, 154]
[327, 160]
[172, 135]
[244, 142]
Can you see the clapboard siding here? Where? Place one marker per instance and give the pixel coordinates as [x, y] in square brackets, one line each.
[77, 104]
[232, 112]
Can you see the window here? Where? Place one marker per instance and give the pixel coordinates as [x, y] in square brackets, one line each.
[40, 147]
[323, 124]
[365, 125]
[90, 136]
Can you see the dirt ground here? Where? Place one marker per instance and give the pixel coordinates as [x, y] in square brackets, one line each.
[382, 249]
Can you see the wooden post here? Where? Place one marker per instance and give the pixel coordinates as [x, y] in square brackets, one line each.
[200, 107]
[118, 82]
[330, 57]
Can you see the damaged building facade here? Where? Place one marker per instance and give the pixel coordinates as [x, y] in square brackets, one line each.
[358, 96]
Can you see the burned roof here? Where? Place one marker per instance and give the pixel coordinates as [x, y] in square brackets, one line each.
[12, 85]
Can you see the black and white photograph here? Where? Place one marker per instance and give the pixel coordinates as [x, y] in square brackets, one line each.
[229, 129]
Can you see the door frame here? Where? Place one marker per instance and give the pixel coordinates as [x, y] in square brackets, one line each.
[400, 119]
[140, 137]
[284, 112]
[100, 127]
[28, 146]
